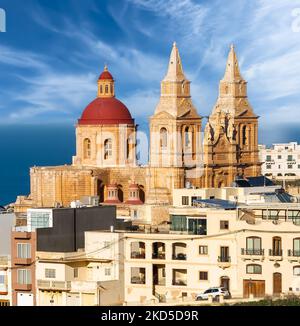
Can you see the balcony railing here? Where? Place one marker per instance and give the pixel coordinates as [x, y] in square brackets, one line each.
[179, 282]
[57, 285]
[138, 255]
[224, 259]
[277, 252]
[158, 255]
[180, 256]
[255, 252]
[294, 253]
[137, 280]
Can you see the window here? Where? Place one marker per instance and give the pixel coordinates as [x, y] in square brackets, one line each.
[39, 219]
[224, 225]
[203, 250]
[290, 158]
[106, 89]
[101, 89]
[253, 246]
[279, 157]
[87, 148]
[253, 269]
[268, 167]
[185, 200]
[290, 166]
[107, 148]
[107, 271]
[296, 247]
[138, 275]
[24, 250]
[163, 138]
[203, 276]
[298, 166]
[50, 273]
[187, 138]
[296, 271]
[268, 158]
[279, 166]
[24, 276]
[2, 279]
[111, 89]
[75, 272]
[244, 135]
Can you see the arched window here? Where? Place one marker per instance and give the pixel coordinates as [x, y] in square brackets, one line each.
[111, 89]
[253, 246]
[244, 135]
[187, 137]
[296, 247]
[296, 270]
[107, 148]
[163, 138]
[253, 269]
[87, 148]
[128, 149]
[106, 89]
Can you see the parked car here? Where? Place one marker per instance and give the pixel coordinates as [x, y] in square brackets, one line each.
[215, 292]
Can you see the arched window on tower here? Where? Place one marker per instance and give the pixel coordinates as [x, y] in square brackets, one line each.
[163, 138]
[187, 137]
[111, 88]
[101, 89]
[106, 89]
[128, 149]
[244, 135]
[87, 148]
[107, 149]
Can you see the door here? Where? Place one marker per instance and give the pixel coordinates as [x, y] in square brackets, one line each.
[255, 288]
[25, 299]
[225, 282]
[277, 284]
[73, 299]
[276, 246]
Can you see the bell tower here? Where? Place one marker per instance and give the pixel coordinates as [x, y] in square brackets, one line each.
[175, 126]
[231, 133]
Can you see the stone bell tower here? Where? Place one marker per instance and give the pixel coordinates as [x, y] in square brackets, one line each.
[231, 133]
[175, 126]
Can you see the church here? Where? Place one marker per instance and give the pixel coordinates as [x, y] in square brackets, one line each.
[105, 164]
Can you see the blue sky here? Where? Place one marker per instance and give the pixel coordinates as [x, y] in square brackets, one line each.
[53, 52]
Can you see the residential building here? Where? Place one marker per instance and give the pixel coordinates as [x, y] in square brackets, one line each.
[91, 276]
[281, 161]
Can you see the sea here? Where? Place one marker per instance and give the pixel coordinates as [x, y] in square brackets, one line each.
[25, 146]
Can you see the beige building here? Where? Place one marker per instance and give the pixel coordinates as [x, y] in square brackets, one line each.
[105, 161]
[92, 276]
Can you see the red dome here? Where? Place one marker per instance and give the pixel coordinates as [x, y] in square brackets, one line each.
[106, 75]
[106, 111]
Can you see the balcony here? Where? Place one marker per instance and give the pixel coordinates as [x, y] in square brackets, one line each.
[22, 287]
[224, 261]
[179, 277]
[159, 255]
[138, 280]
[252, 254]
[22, 261]
[138, 255]
[180, 256]
[54, 285]
[294, 255]
[275, 254]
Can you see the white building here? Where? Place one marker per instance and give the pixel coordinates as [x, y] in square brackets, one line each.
[281, 161]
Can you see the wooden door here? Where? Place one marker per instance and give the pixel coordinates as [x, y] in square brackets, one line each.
[254, 287]
[277, 283]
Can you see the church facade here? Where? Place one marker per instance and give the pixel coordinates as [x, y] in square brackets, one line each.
[105, 163]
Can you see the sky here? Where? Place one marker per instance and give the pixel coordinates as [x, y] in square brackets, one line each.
[53, 52]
